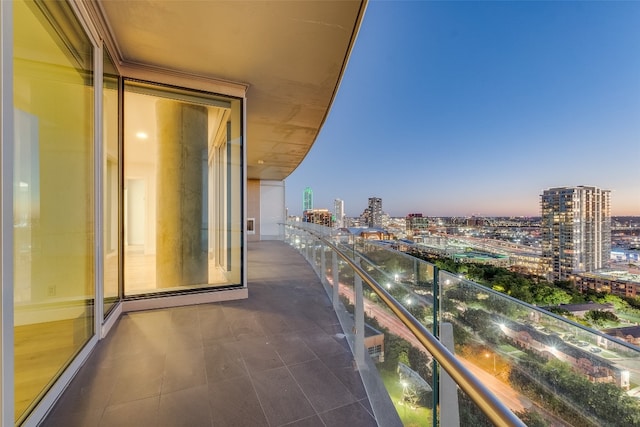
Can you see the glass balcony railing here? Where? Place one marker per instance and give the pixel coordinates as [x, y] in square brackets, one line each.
[504, 356]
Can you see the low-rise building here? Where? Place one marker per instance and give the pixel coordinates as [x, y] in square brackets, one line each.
[630, 334]
[579, 310]
[619, 283]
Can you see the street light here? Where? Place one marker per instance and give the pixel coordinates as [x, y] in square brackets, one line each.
[494, 361]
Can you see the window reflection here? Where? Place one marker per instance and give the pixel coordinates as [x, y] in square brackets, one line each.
[53, 203]
[181, 191]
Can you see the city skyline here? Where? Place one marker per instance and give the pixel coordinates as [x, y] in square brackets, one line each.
[463, 108]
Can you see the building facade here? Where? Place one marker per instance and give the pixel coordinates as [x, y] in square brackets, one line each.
[338, 211]
[374, 210]
[575, 230]
[318, 216]
[416, 224]
[307, 199]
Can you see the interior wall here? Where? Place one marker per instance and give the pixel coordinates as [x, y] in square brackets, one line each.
[272, 210]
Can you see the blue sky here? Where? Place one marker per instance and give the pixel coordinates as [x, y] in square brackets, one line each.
[461, 108]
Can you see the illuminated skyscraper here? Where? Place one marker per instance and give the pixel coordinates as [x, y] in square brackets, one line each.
[576, 230]
[307, 199]
[375, 212]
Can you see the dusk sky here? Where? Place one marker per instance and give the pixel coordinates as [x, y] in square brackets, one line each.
[462, 108]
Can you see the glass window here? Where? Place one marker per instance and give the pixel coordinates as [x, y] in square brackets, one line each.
[111, 184]
[53, 202]
[182, 190]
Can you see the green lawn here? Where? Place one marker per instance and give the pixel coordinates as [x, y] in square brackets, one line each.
[418, 417]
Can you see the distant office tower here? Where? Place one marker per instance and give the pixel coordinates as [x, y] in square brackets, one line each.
[318, 216]
[338, 211]
[415, 223]
[307, 199]
[576, 230]
[375, 212]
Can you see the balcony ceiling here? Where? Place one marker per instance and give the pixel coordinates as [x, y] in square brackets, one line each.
[290, 54]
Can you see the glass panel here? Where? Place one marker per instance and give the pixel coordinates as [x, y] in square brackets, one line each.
[183, 199]
[53, 202]
[542, 365]
[548, 370]
[111, 183]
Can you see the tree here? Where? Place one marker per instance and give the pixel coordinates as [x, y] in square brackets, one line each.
[547, 295]
[532, 418]
[600, 317]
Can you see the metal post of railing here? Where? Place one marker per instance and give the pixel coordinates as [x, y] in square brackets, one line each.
[435, 331]
[323, 266]
[313, 256]
[336, 276]
[358, 316]
[448, 389]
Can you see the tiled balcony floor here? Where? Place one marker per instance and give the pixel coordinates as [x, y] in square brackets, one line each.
[274, 359]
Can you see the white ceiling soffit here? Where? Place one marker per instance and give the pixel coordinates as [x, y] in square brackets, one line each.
[291, 54]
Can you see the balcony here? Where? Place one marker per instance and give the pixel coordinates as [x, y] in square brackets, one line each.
[276, 358]
[295, 352]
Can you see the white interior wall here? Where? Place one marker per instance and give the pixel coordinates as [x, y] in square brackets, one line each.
[272, 211]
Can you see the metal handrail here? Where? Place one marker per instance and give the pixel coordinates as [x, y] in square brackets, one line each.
[497, 412]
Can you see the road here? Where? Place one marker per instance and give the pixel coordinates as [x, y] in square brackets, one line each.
[511, 398]
[508, 396]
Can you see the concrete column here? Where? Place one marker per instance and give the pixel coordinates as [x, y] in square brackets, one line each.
[181, 259]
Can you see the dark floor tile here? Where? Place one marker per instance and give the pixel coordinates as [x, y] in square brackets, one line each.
[322, 344]
[214, 326]
[138, 378]
[89, 391]
[222, 362]
[329, 393]
[185, 408]
[137, 413]
[274, 323]
[291, 348]
[246, 326]
[300, 322]
[331, 327]
[367, 405]
[184, 316]
[184, 369]
[234, 403]
[178, 341]
[343, 366]
[66, 418]
[314, 421]
[353, 415]
[281, 398]
[150, 322]
[258, 354]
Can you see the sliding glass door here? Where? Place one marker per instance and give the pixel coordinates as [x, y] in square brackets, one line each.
[182, 190]
[54, 286]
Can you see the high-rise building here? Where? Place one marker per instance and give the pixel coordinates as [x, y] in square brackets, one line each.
[416, 224]
[307, 199]
[318, 216]
[375, 212]
[338, 211]
[576, 230]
